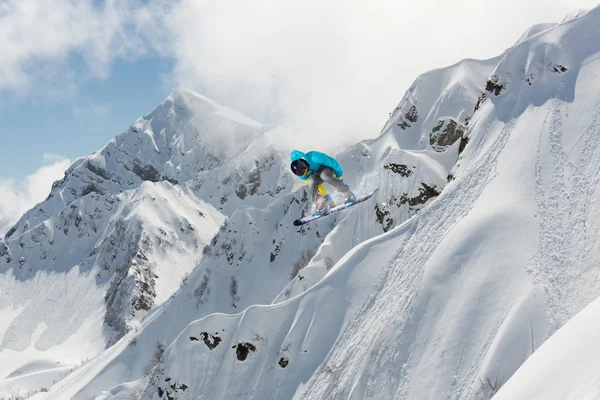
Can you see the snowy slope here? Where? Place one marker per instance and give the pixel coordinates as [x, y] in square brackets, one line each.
[182, 136]
[506, 254]
[96, 265]
[410, 165]
[258, 252]
[247, 264]
[256, 257]
[419, 293]
[457, 296]
[115, 237]
[119, 248]
[565, 367]
[253, 179]
[435, 98]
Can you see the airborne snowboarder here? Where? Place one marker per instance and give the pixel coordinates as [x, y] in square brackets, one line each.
[317, 168]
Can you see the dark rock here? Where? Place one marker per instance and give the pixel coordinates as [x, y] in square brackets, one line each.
[3, 249]
[211, 341]
[254, 181]
[275, 253]
[283, 362]
[384, 216]
[401, 169]
[454, 130]
[560, 68]
[480, 101]
[99, 171]
[11, 231]
[233, 292]
[243, 349]
[241, 192]
[91, 188]
[463, 143]
[493, 86]
[404, 125]
[59, 183]
[146, 172]
[412, 115]
[426, 192]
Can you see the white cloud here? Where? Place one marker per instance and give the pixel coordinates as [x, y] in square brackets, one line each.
[52, 158]
[335, 68]
[19, 196]
[331, 70]
[39, 38]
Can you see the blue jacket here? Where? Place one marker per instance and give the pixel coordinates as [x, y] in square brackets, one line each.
[315, 161]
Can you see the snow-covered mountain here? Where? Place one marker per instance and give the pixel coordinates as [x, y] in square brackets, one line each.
[256, 257]
[464, 292]
[115, 237]
[257, 254]
[125, 226]
[566, 366]
[131, 221]
[479, 245]
[259, 257]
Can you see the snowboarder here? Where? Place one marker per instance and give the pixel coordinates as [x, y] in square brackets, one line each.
[317, 168]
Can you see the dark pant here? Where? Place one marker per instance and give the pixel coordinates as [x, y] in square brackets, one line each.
[318, 191]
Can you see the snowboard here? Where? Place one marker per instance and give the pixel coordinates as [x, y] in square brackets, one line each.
[314, 217]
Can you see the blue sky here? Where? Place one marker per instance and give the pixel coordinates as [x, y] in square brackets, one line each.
[84, 122]
[75, 74]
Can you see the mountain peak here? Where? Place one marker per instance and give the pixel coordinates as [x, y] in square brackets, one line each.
[182, 97]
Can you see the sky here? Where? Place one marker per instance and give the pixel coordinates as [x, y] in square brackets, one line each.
[75, 74]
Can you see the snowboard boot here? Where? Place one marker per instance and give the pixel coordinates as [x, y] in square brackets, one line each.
[324, 205]
[350, 199]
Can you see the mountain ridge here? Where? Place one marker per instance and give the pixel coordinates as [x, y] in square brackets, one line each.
[259, 246]
[460, 267]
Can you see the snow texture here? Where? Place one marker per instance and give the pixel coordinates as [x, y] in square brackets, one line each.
[259, 258]
[480, 244]
[566, 366]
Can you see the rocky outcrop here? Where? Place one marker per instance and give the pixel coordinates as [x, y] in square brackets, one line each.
[410, 117]
[445, 133]
[383, 210]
